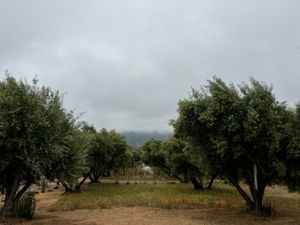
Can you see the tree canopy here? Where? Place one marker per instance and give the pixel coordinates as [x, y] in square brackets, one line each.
[240, 133]
[174, 158]
[238, 130]
[107, 151]
[33, 128]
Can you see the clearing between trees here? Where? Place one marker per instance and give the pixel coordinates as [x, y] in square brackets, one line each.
[163, 204]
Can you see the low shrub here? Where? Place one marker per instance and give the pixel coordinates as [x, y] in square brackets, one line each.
[26, 206]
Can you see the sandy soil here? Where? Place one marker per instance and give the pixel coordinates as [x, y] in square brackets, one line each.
[149, 216]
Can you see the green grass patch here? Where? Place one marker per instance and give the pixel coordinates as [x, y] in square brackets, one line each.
[150, 195]
[180, 196]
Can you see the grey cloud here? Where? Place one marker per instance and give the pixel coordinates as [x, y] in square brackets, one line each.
[127, 63]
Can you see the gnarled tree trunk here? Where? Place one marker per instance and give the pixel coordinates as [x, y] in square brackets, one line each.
[94, 177]
[244, 195]
[211, 181]
[197, 185]
[257, 196]
[12, 197]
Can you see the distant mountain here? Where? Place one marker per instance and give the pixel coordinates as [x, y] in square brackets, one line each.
[138, 138]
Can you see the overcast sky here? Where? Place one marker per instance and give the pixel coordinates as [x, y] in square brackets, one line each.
[127, 63]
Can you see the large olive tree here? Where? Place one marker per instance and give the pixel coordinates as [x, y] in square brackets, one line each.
[241, 131]
[33, 126]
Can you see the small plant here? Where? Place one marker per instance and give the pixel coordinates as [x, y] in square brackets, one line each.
[26, 206]
[44, 184]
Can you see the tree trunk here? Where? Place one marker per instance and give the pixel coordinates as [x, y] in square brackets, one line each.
[9, 202]
[21, 192]
[197, 185]
[247, 199]
[117, 178]
[94, 176]
[91, 177]
[85, 176]
[185, 177]
[257, 196]
[260, 194]
[211, 181]
[78, 185]
[96, 179]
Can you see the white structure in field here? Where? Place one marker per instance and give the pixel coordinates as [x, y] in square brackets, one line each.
[147, 170]
[144, 171]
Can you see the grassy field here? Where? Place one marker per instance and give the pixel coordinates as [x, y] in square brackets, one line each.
[168, 196]
[164, 204]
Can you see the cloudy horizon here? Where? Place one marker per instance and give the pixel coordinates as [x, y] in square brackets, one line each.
[126, 64]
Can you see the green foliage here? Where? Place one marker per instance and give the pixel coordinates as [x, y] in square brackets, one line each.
[179, 159]
[235, 129]
[33, 127]
[26, 206]
[173, 157]
[293, 153]
[133, 156]
[107, 151]
[73, 163]
[152, 154]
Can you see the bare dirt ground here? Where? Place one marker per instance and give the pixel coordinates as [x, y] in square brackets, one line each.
[149, 216]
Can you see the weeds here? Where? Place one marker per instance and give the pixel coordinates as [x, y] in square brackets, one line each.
[150, 195]
[170, 196]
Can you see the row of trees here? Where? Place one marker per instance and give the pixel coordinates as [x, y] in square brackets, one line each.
[89, 154]
[241, 134]
[39, 138]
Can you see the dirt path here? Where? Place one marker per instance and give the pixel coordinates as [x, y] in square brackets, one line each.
[149, 216]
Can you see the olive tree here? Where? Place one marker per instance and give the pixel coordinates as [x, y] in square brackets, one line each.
[173, 158]
[107, 152]
[33, 127]
[292, 155]
[179, 160]
[241, 131]
[71, 169]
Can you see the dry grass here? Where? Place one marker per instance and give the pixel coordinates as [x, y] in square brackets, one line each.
[169, 196]
[173, 204]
